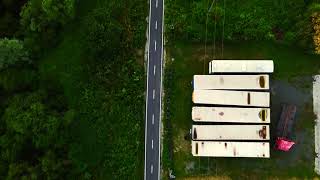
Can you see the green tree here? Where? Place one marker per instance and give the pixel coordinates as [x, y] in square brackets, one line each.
[27, 115]
[41, 20]
[12, 52]
[11, 146]
[52, 166]
[23, 171]
[9, 18]
[18, 80]
[34, 143]
[22, 112]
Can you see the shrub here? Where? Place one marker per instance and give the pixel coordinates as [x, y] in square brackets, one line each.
[248, 20]
[105, 36]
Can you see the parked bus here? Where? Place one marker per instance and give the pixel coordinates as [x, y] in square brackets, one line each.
[225, 97]
[254, 82]
[230, 132]
[241, 66]
[230, 149]
[231, 114]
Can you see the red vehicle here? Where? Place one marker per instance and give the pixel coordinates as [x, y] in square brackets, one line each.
[284, 140]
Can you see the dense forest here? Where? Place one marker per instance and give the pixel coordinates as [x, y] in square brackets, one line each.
[71, 89]
[277, 20]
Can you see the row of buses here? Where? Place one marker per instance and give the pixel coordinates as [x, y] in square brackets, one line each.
[232, 109]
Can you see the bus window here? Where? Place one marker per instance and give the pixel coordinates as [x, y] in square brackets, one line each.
[263, 115]
[262, 81]
[196, 148]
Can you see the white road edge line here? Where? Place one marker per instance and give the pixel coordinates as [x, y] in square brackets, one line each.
[152, 143]
[146, 121]
[151, 168]
[153, 93]
[154, 70]
[161, 60]
[156, 24]
[152, 118]
[155, 45]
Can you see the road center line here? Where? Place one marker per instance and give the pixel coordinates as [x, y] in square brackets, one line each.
[155, 45]
[156, 24]
[156, 3]
[152, 143]
[153, 93]
[152, 118]
[154, 70]
[151, 169]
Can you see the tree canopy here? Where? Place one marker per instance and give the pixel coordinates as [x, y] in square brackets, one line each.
[71, 91]
[12, 52]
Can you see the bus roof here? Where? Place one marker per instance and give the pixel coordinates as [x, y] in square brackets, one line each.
[230, 149]
[231, 114]
[226, 97]
[241, 66]
[255, 82]
[230, 132]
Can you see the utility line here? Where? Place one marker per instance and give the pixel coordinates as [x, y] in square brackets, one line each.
[215, 29]
[205, 41]
[206, 35]
[224, 19]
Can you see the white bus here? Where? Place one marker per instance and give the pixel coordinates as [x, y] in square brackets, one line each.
[226, 97]
[241, 66]
[230, 132]
[230, 149]
[255, 82]
[231, 114]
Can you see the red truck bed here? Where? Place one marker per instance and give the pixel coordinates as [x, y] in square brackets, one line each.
[286, 121]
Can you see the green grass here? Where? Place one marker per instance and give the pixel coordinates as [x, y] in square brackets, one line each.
[189, 60]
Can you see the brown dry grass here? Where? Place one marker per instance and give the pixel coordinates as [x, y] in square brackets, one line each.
[206, 178]
[316, 27]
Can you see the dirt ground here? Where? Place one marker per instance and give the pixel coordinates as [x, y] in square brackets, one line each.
[283, 92]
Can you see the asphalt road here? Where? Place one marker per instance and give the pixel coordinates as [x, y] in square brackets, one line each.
[154, 88]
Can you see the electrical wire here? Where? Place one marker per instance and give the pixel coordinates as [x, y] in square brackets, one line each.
[205, 42]
[215, 30]
[223, 22]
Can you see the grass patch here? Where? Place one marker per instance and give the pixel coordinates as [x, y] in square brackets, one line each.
[290, 62]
